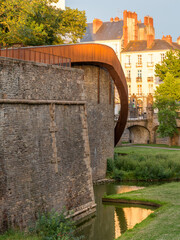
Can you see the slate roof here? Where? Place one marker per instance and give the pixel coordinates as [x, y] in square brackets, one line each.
[141, 45]
[108, 31]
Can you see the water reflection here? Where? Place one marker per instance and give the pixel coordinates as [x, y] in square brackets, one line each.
[128, 217]
[112, 219]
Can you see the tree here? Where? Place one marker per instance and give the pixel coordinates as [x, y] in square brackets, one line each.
[171, 64]
[37, 22]
[167, 97]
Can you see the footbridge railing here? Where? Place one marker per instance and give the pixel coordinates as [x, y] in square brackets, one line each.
[35, 56]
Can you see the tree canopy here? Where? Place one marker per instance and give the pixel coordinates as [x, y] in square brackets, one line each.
[167, 94]
[37, 22]
[171, 64]
[169, 89]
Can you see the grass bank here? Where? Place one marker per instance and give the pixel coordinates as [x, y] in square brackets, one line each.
[164, 223]
[153, 145]
[144, 164]
[16, 235]
[157, 145]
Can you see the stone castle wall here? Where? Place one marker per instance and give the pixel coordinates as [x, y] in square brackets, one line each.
[44, 144]
[99, 94]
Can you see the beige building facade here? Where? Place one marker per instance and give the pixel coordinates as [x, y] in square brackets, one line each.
[137, 49]
[138, 62]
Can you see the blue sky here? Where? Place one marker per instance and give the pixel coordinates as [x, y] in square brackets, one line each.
[166, 13]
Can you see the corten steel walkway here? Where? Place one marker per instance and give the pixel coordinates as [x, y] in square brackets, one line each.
[99, 55]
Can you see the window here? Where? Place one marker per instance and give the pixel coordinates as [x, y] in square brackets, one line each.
[150, 60]
[140, 59]
[139, 62]
[150, 88]
[139, 89]
[139, 73]
[129, 89]
[162, 56]
[128, 73]
[128, 61]
[150, 77]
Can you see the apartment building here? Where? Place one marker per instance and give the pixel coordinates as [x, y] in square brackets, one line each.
[138, 60]
[137, 49]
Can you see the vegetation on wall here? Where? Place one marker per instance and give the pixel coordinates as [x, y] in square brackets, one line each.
[167, 95]
[37, 22]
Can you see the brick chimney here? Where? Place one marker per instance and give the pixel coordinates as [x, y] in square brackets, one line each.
[178, 40]
[97, 23]
[116, 19]
[167, 38]
[130, 26]
[150, 40]
[111, 19]
[148, 21]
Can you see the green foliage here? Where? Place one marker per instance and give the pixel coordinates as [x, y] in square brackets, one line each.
[143, 167]
[167, 95]
[36, 22]
[55, 226]
[167, 115]
[17, 235]
[169, 89]
[171, 64]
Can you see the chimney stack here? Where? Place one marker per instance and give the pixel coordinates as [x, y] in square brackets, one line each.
[178, 40]
[150, 40]
[111, 19]
[130, 26]
[116, 19]
[148, 21]
[97, 23]
[168, 38]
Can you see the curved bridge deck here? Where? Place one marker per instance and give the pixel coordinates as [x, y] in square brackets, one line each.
[99, 55]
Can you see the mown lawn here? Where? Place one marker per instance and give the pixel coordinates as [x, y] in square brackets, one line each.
[146, 150]
[154, 145]
[164, 223]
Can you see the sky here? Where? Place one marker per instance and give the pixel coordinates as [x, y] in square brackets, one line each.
[166, 13]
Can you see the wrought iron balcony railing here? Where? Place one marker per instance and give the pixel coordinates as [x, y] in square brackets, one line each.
[139, 79]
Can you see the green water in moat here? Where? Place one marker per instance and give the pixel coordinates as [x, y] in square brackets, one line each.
[112, 220]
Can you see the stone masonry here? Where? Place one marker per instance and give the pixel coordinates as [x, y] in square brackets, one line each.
[44, 142]
[99, 94]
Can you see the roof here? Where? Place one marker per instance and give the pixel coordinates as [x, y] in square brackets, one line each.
[108, 31]
[158, 44]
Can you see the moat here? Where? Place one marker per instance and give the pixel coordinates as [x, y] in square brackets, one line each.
[112, 220]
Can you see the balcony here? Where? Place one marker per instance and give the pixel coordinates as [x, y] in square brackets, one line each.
[128, 79]
[139, 79]
[139, 64]
[150, 79]
[127, 65]
[150, 64]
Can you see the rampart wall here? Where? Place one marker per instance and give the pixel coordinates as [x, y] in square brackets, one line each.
[44, 142]
[99, 93]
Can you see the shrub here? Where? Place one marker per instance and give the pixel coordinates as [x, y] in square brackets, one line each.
[55, 226]
[138, 166]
